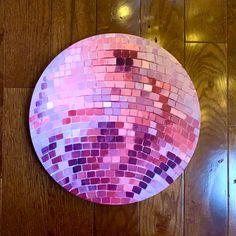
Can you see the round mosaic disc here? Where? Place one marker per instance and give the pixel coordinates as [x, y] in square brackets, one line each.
[114, 119]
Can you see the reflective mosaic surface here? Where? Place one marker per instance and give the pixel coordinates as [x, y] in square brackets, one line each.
[114, 119]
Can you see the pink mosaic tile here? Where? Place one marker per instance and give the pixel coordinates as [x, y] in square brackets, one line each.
[114, 119]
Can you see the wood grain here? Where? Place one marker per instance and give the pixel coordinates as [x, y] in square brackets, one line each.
[232, 60]
[116, 220]
[72, 20]
[161, 214]
[206, 175]
[33, 204]
[27, 41]
[121, 16]
[24, 196]
[83, 23]
[232, 181]
[163, 22]
[60, 26]
[1, 101]
[206, 20]
[1, 77]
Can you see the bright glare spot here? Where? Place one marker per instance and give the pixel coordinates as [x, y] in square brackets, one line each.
[193, 37]
[123, 11]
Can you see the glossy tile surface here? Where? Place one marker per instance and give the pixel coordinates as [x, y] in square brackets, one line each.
[114, 119]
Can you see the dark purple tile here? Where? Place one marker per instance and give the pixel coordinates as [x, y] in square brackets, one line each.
[68, 148]
[129, 61]
[146, 179]
[45, 158]
[164, 167]
[177, 160]
[129, 194]
[77, 146]
[102, 124]
[102, 186]
[85, 153]
[101, 138]
[44, 150]
[52, 154]
[120, 61]
[104, 145]
[84, 139]
[111, 187]
[127, 68]
[150, 174]
[85, 181]
[146, 143]
[110, 139]
[73, 162]
[169, 180]
[143, 185]
[111, 125]
[157, 170]
[105, 131]
[136, 189]
[132, 161]
[94, 152]
[81, 160]
[146, 150]
[91, 174]
[147, 136]
[171, 155]
[114, 132]
[76, 169]
[95, 181]
[138, 147]
[119, 139]
[95, 145]
[132, 153]
[142, 155]
[105, 180]
[171, 164]
[119, 173]
[123, 167]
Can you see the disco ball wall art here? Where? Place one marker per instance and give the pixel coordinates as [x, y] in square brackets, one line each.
[114, 119]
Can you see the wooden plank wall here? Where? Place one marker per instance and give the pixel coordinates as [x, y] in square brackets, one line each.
[201, 35]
